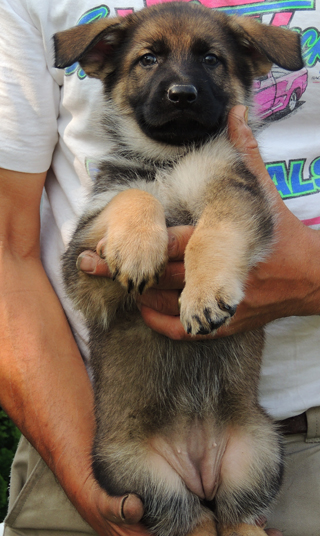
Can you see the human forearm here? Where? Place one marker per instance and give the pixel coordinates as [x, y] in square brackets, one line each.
[44, 385]
[46, 390]
[37, 350]
[39, 359]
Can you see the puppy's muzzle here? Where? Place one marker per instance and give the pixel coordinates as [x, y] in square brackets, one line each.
[182, 95]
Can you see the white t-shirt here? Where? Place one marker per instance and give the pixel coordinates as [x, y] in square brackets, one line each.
[37, 101]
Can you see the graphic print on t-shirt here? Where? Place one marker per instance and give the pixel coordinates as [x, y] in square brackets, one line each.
[278, 96]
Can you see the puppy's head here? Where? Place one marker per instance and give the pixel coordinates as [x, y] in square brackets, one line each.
[176, 69]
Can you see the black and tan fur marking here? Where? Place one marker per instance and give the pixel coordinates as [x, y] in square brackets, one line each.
[178, 423]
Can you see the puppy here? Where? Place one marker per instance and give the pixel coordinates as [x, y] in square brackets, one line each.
[178, 422]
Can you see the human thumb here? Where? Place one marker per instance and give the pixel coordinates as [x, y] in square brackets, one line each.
[240, 134]
[127, 509]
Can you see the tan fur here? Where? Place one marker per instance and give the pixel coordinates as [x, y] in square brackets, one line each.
[241, 530]
[132, 217]
[178, 422]
[214, 276]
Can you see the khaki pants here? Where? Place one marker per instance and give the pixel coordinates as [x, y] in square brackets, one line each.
[297, 509]
[39, 507]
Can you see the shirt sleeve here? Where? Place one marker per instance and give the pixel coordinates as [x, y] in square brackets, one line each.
[29, 96]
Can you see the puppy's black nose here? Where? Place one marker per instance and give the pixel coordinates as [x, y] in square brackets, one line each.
[182, 95]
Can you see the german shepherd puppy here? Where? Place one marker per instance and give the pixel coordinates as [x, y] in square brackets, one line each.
[178, 422]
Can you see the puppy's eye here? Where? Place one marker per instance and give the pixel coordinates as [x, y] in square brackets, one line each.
[211, 60]
[148, 60]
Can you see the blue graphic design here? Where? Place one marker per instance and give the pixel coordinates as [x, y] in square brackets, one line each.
[289, 179]
[263, 8]
[310, 40]
[90, 16]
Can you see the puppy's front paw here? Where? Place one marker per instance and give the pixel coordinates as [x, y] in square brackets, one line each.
[136, 258]
[134, 239]
[216, 263]
[204, 309]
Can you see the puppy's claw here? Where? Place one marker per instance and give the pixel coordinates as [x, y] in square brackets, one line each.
[115, 275]
[130, 285]
[203, 331]
[142, 286]
[213, 325]
[216, 325]
[100, 250]
[203, 316]
[230, 309]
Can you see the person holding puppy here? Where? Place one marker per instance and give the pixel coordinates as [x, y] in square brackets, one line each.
[45, 386]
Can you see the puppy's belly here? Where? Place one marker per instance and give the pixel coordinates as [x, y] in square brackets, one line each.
[195, 453]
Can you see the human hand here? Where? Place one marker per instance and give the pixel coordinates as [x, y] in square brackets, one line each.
[111, 516]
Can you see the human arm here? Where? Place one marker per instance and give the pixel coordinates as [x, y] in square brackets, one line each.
[45, 388]
[286, 284]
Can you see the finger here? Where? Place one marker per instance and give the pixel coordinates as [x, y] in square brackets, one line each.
[163, 301]
[127, 509]
[90, 262]
[131, 509]
[273, 532]
[178, 238]
[243, 321]
[168, 325]
[173, 277]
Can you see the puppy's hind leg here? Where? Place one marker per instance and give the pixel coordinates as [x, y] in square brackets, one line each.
[206, 527]
[251, 472]
[240, 530]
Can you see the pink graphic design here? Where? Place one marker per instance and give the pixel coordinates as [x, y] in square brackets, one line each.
[282, 19]
[214, 4]
[279, 19]
[279, 90]
[312, 221]
[124, 12]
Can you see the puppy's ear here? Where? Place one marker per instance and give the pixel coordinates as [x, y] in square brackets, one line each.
[268, 44]
[92, 45]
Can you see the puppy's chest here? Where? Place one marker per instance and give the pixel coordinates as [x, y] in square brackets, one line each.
[182, 186]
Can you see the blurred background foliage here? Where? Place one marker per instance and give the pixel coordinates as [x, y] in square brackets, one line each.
[9, 437]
